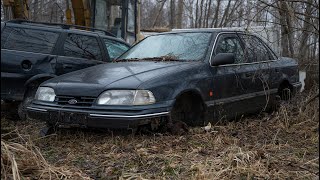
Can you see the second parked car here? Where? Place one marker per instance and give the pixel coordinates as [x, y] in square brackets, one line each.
[33, 52]
[194, 76]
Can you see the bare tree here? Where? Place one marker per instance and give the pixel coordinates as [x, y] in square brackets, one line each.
[214, 22]
[180, 14]
[158, 14]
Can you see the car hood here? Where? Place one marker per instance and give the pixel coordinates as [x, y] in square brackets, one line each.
[122, 75]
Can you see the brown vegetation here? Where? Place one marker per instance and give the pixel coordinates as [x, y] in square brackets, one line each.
[280, 145]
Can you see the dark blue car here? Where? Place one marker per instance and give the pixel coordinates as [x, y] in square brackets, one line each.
[193, 76]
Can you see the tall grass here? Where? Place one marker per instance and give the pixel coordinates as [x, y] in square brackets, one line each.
[280, 145]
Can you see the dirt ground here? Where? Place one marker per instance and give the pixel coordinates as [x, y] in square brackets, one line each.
[279, 145]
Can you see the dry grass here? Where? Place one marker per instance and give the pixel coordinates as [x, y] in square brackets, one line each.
[281, 145]
[20, 158]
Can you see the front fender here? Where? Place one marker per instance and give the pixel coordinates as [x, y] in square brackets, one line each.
[169, 86]
[39, 77]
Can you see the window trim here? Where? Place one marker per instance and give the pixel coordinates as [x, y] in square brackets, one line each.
[236, 33]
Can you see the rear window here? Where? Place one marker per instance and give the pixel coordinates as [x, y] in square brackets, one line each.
[28, 40]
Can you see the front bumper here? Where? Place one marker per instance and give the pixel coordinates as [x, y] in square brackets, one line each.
[97, 118]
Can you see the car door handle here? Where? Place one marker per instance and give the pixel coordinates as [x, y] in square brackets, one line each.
[248, 75]
[67, 66]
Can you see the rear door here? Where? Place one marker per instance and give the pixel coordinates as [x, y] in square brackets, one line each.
[25, 52]
[259, 72]
[79, 51]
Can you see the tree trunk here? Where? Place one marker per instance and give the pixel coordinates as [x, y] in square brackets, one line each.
[305, 32]
[172, 14]
[201, 10]
[289, 26]
[205, 14]
[197, 11]
[226, 12]
[41, 14]
[159, 12]
[214, 22]
[35, 10]
[180, 14]
[284, 31]
[208, 14]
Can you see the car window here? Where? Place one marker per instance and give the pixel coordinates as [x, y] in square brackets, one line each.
[255, 50]
[230, 44]
[115, 48]
[4, 35]
[82, 47]
[28, 40]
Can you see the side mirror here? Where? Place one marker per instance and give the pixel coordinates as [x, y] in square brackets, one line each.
[222, 59]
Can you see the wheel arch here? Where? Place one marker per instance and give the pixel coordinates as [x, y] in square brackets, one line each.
[192, 92]
[39, 78]
[283, 84]
[285, 89]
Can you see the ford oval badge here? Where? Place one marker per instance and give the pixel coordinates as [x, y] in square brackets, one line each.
[72, 101]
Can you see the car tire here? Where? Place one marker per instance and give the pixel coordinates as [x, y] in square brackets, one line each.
[188, 109]
[283, 97]
[28, 97]
[286, 94]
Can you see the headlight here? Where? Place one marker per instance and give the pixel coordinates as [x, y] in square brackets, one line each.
[126, 97]
[45, 94]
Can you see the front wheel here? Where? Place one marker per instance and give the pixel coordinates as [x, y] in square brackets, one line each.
[188, 110]
[28, 97]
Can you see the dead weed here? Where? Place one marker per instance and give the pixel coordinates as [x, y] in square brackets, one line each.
[280, 145]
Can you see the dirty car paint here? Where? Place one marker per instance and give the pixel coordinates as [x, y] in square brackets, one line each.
[227, 87]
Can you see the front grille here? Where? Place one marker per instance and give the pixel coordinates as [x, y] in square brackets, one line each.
[81, 101]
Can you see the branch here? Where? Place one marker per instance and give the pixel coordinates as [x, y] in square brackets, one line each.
[310, 100]
[295, 12]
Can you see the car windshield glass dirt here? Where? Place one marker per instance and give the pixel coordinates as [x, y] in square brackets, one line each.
[179, 46]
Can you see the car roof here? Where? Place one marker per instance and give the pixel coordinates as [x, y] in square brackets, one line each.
[59, 27]
[54, 28]
[202, 30]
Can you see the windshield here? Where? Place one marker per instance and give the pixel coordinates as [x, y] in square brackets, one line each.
[178, 46]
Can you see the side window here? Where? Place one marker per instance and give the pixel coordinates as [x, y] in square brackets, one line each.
[82, 47]
[28, 40]
[4, 35]
[255, 50]
[230, 44]
[115, 48]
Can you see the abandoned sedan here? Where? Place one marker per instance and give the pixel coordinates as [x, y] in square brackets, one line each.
[193, 76]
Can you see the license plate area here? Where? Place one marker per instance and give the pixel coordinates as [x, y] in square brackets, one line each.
[73, 119]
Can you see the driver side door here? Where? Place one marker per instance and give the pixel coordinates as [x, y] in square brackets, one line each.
[229, 81]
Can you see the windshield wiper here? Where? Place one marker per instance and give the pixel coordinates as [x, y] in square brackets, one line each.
[161, 58]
